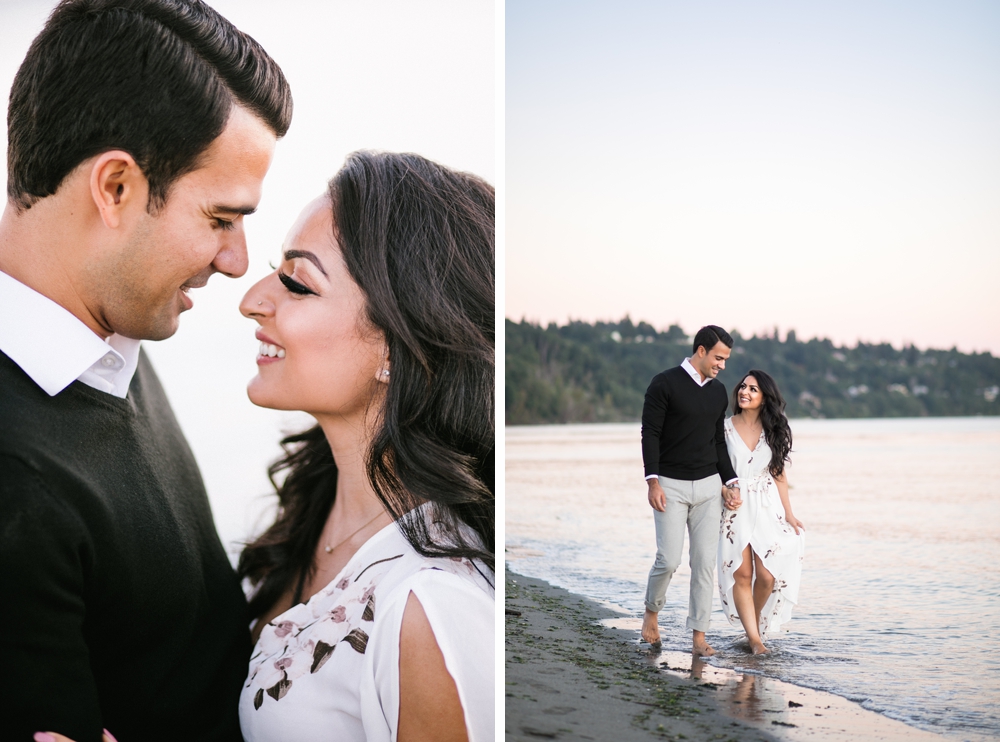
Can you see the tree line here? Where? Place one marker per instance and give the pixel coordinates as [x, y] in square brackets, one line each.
[599, 372]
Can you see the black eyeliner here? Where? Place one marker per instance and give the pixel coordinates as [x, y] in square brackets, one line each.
[294, 286]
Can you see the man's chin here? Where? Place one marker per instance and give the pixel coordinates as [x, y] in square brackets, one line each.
[159, 328]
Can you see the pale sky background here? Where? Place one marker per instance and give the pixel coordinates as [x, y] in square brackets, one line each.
[830, 167]
[379, 74]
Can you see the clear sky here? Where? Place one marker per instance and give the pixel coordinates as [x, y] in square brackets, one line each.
[379, 74]
[828, 167]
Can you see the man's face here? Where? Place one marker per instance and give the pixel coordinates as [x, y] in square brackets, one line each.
[710, 363]
[197, 232]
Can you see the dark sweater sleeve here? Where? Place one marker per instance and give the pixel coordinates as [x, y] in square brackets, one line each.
[726, 470]
[654, 411]
[44, 557]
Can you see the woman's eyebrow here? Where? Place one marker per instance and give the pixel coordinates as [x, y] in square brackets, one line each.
[292, 254]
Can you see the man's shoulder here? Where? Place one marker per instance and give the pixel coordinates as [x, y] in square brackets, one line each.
[20, 397]
[668, 375]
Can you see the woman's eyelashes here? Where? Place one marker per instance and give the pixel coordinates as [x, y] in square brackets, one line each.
[294, 286]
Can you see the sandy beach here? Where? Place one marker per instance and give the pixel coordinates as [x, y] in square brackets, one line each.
[575, 670]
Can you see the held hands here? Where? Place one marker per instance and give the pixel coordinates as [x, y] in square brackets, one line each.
[657, 498]
[731, 497]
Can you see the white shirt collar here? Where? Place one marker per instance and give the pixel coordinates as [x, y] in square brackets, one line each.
[55, 348]
[693, 372]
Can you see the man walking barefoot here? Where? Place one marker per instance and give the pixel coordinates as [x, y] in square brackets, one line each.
[686, 462]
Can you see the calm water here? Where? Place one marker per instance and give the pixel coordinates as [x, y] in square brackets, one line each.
[900, 600]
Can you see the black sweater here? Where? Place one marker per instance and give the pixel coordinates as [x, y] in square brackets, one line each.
[118, 605]
[682, 428]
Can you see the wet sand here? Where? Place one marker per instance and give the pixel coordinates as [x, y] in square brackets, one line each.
[575, 670]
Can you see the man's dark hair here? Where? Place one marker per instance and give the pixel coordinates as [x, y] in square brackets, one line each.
[155, 78]
[709, 335]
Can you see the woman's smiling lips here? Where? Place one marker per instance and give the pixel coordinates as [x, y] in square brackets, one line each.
[269, 352]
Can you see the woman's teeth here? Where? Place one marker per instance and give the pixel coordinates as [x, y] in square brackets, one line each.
[271, 351]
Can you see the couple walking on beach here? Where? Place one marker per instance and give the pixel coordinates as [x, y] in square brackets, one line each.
[724, 481]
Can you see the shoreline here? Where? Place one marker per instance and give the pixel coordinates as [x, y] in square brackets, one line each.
[575, 670]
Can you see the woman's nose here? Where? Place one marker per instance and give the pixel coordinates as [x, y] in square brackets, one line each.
[256, 303]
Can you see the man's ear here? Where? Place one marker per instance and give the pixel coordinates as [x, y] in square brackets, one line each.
[116, 183]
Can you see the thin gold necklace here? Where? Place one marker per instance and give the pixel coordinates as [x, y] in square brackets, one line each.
[329, 549]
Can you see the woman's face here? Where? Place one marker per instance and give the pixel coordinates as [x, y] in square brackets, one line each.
[318, 353]
[750, 396]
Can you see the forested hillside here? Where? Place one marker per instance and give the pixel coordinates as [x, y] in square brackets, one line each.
[599, 372]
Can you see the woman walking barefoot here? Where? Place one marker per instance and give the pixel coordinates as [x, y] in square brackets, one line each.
[761, 547]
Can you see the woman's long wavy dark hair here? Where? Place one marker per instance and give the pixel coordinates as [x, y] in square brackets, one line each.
[777, 432]
[418, 239]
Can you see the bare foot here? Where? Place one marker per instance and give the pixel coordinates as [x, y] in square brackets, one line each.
[650, 628]
[700, 647]
[759, 648]
[703, 649]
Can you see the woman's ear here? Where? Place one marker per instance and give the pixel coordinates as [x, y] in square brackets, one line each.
[116, 184]
[382, 372]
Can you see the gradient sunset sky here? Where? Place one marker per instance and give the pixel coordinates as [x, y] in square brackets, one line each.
[832, 168]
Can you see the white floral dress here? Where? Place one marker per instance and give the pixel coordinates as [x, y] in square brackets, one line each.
[328, 669]
[760, 522]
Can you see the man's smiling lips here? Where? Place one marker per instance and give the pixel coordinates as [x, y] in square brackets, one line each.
[194, 283]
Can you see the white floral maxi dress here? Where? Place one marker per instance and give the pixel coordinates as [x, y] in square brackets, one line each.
[760, 522]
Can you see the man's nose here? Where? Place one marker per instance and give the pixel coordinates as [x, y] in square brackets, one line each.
[232, 260]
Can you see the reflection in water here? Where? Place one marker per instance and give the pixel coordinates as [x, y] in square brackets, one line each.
[752, 699]
[743, 695]
[789, 712]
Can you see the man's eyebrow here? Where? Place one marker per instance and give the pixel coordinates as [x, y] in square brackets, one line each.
[292, 254]
[224, 209]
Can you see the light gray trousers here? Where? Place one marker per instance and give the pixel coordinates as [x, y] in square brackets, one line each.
[698, 506]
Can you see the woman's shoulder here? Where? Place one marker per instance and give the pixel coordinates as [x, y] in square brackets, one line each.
[445, 580]
[390, 562]
[456, 598]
